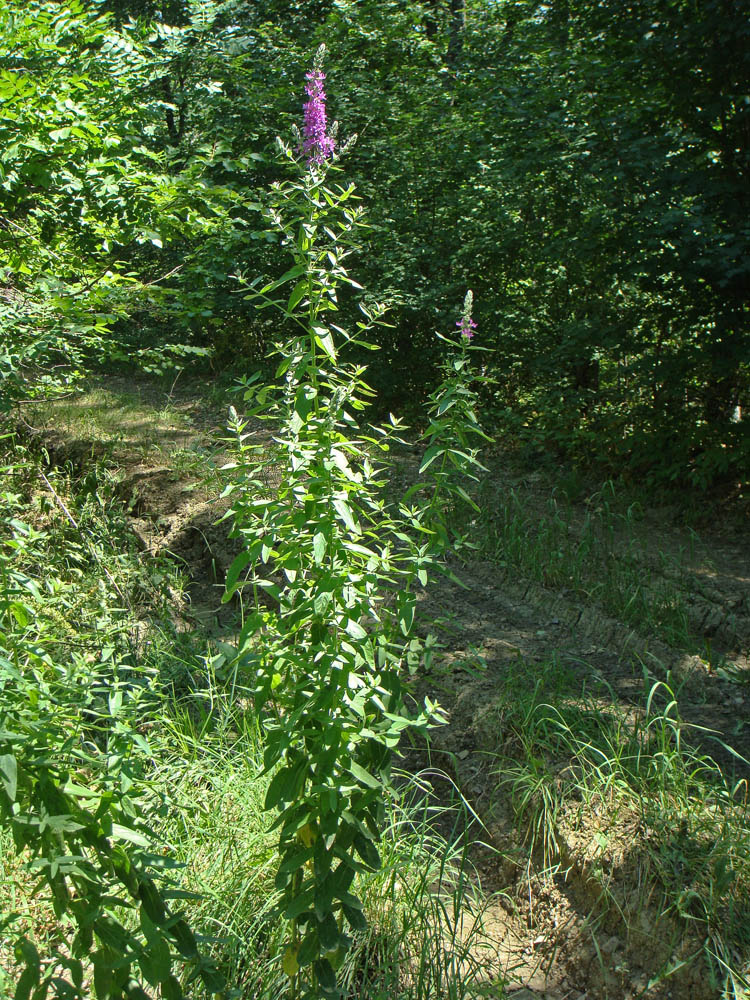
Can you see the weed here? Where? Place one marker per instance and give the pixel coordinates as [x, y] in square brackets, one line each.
[424, 910]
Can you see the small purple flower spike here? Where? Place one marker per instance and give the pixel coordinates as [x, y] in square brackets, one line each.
[466, 323]
[468, 326]
[316, 142]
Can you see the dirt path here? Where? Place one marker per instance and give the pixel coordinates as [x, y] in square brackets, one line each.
[576, 932]
[548, 935]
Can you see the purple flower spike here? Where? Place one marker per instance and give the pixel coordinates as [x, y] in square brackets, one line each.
[468, 326]
[466, 323]
[316, 143]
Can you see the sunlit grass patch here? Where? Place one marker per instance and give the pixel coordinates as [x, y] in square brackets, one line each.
[106, 415]
[127, 424]
[598, 555]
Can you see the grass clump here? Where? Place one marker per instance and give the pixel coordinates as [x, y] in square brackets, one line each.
[423, 907]
[650, 824]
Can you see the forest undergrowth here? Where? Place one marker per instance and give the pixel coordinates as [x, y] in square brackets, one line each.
[195, 757]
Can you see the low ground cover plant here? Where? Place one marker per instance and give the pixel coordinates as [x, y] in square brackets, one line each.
[75, 682]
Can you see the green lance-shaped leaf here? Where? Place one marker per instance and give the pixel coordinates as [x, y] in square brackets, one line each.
[9, 776]
[239, 563]
[27, 954]
[363, 776]
[284, 785]
[298, 293]
[320, 544]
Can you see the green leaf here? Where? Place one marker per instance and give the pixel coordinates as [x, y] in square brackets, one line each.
[298, 293]
[319, 547]
[111, 933]
[325, 974]
[328, 932]
[293, 272]
[184, 939]
[213, 980]
[134, 991]
[344, 511]
[20, 613]
[363, 776]
[295, 861]
[26, 983]
[283, 787]
[104, 986]
[367, 851]
[309, 949]
[155, 962]
[406, 604]
[355, 630]
[298, 905]
[355, 917]
[132, 836]
[27, 953]
[430, 455]
[233, 573]
[171, 989]
[324, 340]
[9, 776]
[152, 902]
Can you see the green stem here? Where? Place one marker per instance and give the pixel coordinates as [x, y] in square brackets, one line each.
[312, 314]
[296, 979]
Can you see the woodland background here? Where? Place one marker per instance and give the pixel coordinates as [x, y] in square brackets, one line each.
[583, 166]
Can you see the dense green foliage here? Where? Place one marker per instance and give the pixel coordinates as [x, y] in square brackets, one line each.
[583, 166]
[74, 763]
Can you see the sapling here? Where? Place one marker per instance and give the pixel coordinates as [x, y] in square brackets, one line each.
[332, 565]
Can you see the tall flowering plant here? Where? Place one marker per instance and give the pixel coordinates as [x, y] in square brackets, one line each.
[453, 434]
[332, 567]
